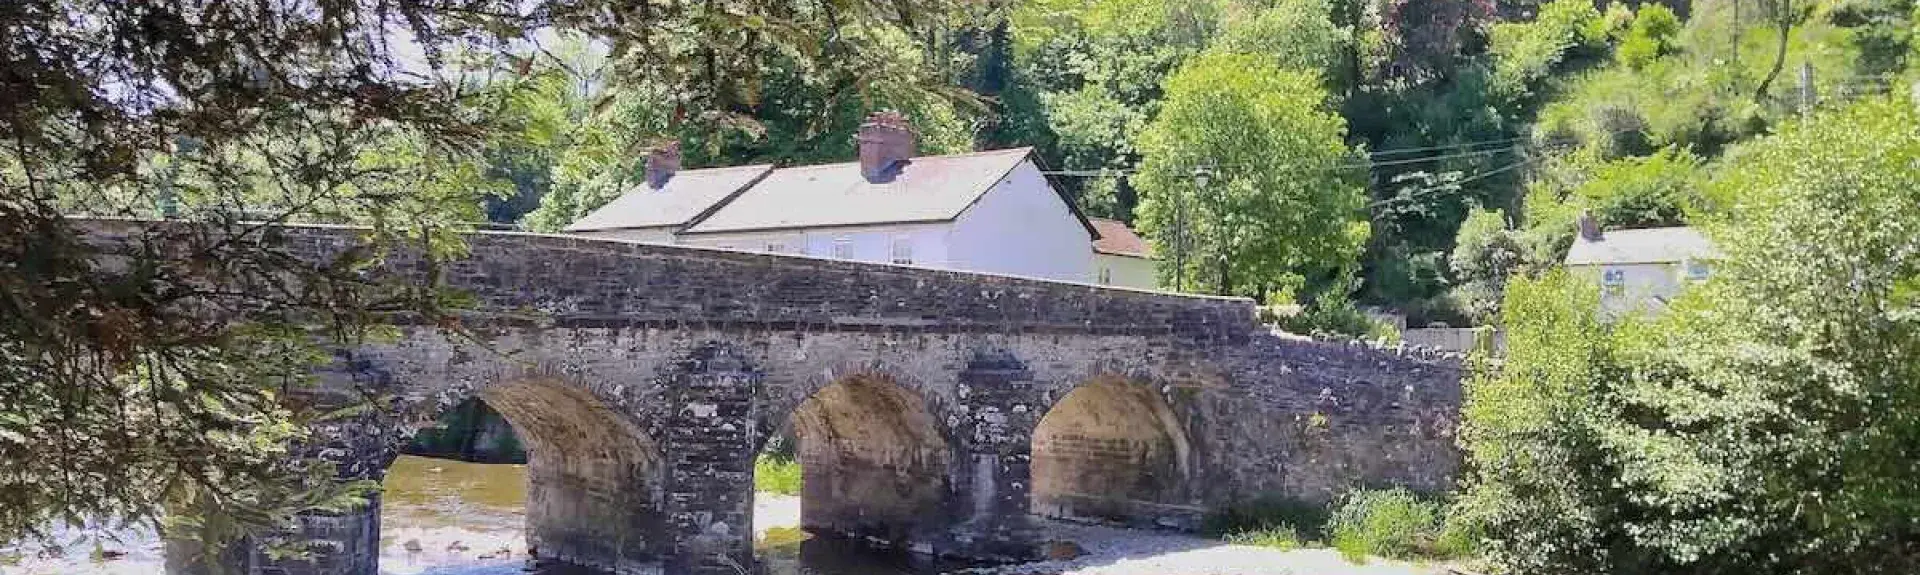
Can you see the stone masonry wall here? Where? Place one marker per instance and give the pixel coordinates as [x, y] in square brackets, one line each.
[658, 372]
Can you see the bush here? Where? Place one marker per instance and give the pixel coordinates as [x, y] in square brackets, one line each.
[776, 475]
[1332, 314]
[1265, 513]
[1655, 28]
[1392, 523]
[1282, 537]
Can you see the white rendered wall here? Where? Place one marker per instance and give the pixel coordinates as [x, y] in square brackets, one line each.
[1022, 227]
[1647, 286]
[662, 235]
[866, 243]
[1125, 271]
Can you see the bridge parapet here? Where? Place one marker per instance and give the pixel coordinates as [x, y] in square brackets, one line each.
[645, 378]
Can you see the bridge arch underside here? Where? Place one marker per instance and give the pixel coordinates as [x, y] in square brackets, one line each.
[874, 464]
[593, 477]
[1112, 450]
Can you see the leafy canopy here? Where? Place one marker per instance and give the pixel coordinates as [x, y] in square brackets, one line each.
[1279, 206]
[1762, 423]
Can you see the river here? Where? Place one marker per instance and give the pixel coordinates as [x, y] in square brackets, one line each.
[452, 518]
[445, 517]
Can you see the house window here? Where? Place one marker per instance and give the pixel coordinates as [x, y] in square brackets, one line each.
[1106, 276]
[1613, 281]
[1697, 270]
[902, 250]
[843, 248]
[776, 248]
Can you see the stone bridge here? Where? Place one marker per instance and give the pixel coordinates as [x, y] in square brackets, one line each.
[936, 410]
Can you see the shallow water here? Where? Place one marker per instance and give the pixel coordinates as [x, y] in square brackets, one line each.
[443, 517]
[453, 518]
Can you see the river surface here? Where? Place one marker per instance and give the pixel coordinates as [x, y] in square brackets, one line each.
[446, 517]
[451, 518]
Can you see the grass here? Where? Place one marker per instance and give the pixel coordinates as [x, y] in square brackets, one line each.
[1282, 537]
[1386, 523]
[772, 474]
[1393, 523]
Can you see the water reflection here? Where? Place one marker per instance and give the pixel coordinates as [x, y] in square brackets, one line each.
[453, 518]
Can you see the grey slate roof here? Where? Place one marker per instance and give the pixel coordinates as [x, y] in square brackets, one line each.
[1652, 245]
[686, 196]
[926, 189]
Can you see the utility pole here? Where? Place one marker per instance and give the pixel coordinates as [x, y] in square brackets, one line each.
[1736, 36]
[1201, 176]
[1806, 90]
[1179, 244]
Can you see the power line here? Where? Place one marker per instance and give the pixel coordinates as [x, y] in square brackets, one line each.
[1453, 186]
[1446, 147]
[1110, 172]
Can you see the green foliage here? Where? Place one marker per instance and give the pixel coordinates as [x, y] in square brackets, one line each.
[1529, 429]
[1484, 256]
[1264, 514]
[153, 381]
[1295, 35]
[1272, 212]
[1331, 314]
[1654, 32]
[1758, 425]
[1527, 52]
[1282, 537]
[1096, 72]
[1653, 191]
[773, 474]
[1391, 523]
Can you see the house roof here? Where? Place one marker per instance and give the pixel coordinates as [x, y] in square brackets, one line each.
[687, 196]
[1119, 240]
[1652, 245]
[924, 189]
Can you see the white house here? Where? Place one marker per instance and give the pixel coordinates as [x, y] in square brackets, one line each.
[1121, 257]
[1640, 270]
[986, 211]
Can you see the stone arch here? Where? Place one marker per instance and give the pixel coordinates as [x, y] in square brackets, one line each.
[876, 461]
[1112, 449]
[595, 478]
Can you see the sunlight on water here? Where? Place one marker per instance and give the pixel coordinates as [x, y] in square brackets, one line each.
[444, 517]
[453, 518]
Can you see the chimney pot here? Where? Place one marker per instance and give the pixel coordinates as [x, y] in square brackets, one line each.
[1589, 228]
[885, 140]
[662, 161]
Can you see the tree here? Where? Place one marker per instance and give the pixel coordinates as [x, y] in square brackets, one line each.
[1096, 70]
[1484, 255]
[1298, 35]
[169, 378]
[1281, 205]
[1762, 423]
[1426, 36]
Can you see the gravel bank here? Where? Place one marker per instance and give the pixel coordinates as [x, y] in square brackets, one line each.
[1111, 551]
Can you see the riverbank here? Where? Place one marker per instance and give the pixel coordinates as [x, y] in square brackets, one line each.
[451, 518]
[1114, 551]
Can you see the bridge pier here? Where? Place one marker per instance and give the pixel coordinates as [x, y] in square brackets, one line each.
[710, 450]
[997, 438]
[340, 543]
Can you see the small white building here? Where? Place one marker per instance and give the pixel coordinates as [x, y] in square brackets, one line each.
[1121, 257]
[988, 212]
[1640, 270]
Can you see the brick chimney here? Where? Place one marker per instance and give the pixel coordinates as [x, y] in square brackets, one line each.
[886, 139]
[1589, 229]
[662, 161]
